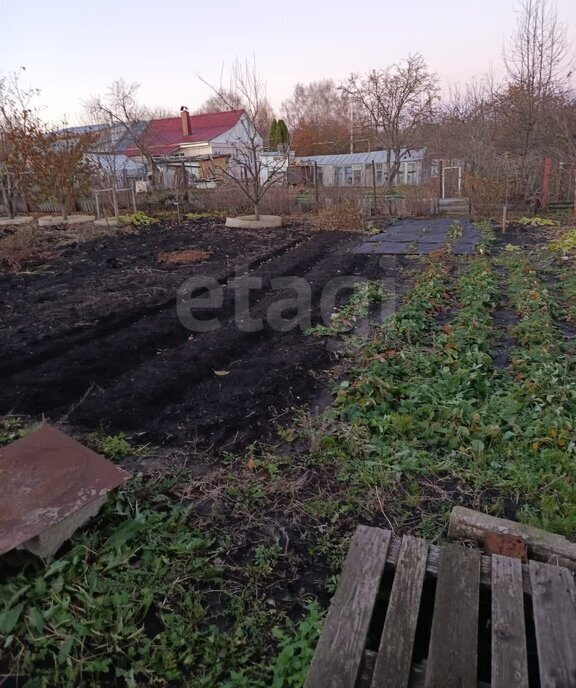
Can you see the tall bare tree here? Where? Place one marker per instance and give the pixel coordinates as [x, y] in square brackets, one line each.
[248, 169]
[120, 109]
[537, 57]
[465, 128]
[538, 70]
[397, 102]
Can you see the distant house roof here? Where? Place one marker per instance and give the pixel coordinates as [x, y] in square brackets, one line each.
[116, 164]
[83, 129]
[358, 158]
[162, 136]
[122, 138]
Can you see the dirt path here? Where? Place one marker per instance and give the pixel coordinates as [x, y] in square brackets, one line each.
[102, 329]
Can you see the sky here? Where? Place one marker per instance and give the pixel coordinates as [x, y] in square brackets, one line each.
[75, 49]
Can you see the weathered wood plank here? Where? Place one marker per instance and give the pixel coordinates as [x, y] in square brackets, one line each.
[392, 668]
[548, 547]
[453, 653]
[338, 655]
[434, 560]
[509, 654]
[554, 603]
[418, 676]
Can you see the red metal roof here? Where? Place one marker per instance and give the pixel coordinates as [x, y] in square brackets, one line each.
[162, 136]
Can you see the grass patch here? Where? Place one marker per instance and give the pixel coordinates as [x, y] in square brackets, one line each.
[145, 597]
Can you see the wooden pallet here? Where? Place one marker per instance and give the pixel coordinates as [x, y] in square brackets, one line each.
[407, 613]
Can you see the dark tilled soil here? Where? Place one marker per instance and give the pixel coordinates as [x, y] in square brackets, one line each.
[96, 338]
[520, 235]
[96, 288]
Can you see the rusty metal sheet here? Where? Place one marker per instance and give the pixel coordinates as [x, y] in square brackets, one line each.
[44, 478]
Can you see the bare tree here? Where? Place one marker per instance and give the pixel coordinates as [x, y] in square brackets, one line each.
[19, 125]
[224, 98]
[317, 115]
[249, 168]
[465, 126]
[537, 58]
[565, 126]
[397, 102]
[119, 108]
[538, 70]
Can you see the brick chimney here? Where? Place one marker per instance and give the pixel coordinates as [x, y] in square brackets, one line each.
[185, 117]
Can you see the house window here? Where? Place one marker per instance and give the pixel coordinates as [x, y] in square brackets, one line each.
[348, 176]
[357, 176]
[337, 171]
[378, 169]
[320, 176]
[411, 173]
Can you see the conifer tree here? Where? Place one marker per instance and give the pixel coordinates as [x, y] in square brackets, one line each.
[273, 136]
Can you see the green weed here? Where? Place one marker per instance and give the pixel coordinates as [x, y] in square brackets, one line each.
[297, 645]
[115, 447]
[538, 222]
[11, 429]
[138, 219]
[566, 243]
[214, 215]
[357, 307]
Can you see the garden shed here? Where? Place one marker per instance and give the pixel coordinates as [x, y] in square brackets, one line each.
[366, 169]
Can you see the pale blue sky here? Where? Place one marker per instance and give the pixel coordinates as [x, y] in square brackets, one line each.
[72, 50]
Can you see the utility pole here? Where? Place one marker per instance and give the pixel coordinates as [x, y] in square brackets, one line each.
[374, 196]
[351, 115]
[316, 185]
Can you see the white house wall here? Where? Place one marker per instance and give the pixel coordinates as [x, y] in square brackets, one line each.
[192, 150]
[275, 165]
[238, 136]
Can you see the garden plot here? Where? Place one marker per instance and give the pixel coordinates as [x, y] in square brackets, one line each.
[95, 336]
[220, 577]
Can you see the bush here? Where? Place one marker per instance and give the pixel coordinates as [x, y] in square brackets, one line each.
[28, 246]
[346, 215]
[418, 200]
[283, 201]
[226, 199]
[485, 194]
